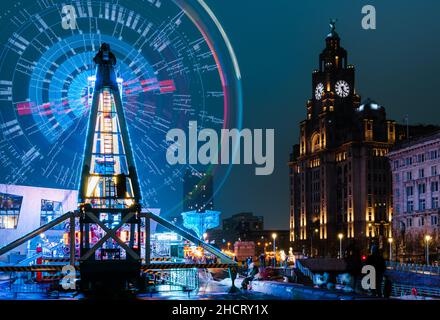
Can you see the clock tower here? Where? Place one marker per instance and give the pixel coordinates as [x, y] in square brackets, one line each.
[333, 86]
[340, 179]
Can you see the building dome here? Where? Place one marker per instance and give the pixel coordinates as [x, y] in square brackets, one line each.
[369, 105]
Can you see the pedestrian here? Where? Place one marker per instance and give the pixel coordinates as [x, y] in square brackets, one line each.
[353, 261]
[262, 260]
[376, 260]
[253, 270]
[387, 288]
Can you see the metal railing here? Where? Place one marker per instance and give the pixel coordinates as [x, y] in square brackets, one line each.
[399, 290]
[23, 284]
[188, 279]
[415, 268]
[304, 270]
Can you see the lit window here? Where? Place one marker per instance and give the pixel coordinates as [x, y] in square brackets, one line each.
[50, 210]
[10, 206]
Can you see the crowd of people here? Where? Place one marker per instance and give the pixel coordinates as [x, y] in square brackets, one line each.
[252, 270]
[205, 259]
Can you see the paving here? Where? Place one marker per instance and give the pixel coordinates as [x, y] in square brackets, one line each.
[211, 290]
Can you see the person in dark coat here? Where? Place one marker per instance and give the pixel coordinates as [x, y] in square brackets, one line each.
[376, 260]
[387, 288]
[353, 262]
[262, 261]
[253, 270]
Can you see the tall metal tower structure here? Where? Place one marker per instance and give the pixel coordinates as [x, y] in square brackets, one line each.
[109, 192]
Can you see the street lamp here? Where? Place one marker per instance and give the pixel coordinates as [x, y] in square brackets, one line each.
[340, 236]
[311, 242]
[427, 240]
[274, 236]
[390, 241]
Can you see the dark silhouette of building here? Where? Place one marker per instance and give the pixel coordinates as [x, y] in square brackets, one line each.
[245, 226]
[197, 192]
[264, 240]
[339, 174]
[240, 226]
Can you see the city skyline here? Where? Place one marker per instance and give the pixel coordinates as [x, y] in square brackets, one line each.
[384, 58]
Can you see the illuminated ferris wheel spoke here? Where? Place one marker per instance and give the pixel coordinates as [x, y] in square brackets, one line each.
[5, 90]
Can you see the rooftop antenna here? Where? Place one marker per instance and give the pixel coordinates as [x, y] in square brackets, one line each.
[406, 119]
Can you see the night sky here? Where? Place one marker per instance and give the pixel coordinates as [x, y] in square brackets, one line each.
[277, 45]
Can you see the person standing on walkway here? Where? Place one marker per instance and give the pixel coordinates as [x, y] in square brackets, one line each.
[354, 264]
[376, 260]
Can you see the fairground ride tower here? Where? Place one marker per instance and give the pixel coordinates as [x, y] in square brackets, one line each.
[109, 192]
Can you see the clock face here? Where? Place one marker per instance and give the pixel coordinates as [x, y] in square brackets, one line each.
[319, 90]
[175, 66]
[342, 88]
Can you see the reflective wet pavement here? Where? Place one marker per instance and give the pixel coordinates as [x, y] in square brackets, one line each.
[211, 290]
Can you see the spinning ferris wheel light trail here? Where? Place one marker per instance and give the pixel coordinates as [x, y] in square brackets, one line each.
[176, 64]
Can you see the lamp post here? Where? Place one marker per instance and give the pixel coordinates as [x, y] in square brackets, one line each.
[311, 242]
[340, 236]
[427, 240]
[390, 241]
[274, 236]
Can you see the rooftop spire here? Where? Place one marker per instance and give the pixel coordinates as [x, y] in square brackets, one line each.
[333, 33]
[333, 24]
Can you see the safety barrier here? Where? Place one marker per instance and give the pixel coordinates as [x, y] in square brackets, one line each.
[34, 268]
[25, 285]
[304, 270]
[55, 259]
[164, 266]
[185, 279]
[161, 259]
[51, 278]
[151, 266]
[188, 279]
[415, 268]
[399, 290]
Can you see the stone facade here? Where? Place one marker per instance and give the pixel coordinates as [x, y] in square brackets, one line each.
[340, 179]
[415, 168]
